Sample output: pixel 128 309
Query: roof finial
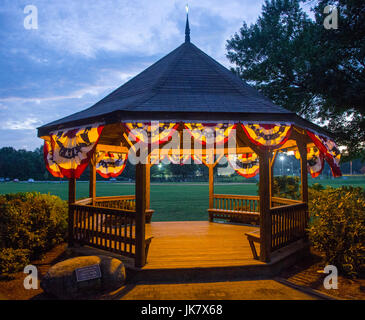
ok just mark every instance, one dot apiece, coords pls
pixel 187 28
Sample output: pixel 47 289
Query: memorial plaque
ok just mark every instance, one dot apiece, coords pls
pixel 88 273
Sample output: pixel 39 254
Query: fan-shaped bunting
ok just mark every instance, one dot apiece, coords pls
pixel 51 166
pixel 329 150
pixel 151 133
pixel 71 150
pixel 246 164
pixel 111 164
pixel 210 133
pixel 267 135
pixel 315 161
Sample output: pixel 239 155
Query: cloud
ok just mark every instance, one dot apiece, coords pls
pixel 106 82
pixel 27 113
pixel 78 94
pixel 20 139
pixel 85 49
pixel 87 27
pixel 90 27
pixel 27 124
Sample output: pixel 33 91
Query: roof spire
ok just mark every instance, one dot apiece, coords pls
pixel 187 28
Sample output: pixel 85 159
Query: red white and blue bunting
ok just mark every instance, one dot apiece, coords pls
pixel 152 132
pixel 329 150
pixel 110 164
pixel 268 136
pixel 68 152
pixel 210 133
pixel 203 158
pixel 180 159
pixel 51 166
pixel 246 164
pixel 315 161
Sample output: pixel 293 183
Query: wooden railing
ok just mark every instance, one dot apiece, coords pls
pixel 288 217
pixel 120 202
pixel 289 224
pixel 277 202
pixel 236 202
pixel 246 203
pixel 110 229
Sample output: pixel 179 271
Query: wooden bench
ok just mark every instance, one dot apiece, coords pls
pixel 253 236
pixel 149 213
pixel 234 215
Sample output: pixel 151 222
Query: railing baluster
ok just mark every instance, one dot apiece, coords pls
pixel 287 224
pixel 109 231
pixel 130 234
pixel 97 227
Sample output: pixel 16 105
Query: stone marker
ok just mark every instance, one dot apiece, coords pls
pixel 84 276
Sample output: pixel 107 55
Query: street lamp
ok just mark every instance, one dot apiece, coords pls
pixel 282 158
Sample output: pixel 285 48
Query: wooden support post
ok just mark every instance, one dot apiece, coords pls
pixel 92 182
pixel 148 186
pixel 71 200
pixel 71 190
pixel 265 217
pixel 303 171
pixel 302 147
pixel 140 258
pixel 272 163
pixel 211 187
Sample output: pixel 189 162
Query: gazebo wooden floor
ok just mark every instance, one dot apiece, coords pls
pixel 198 244
pixel 201 250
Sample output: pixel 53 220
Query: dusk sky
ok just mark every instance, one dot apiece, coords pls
pixel 83 50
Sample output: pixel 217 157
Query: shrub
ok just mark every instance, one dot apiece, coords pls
pixel 31 221
pixel 337 227
pixel 13 260
pixel 286 187
pixel 316 186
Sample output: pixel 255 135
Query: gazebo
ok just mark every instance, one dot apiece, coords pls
pixel 146 120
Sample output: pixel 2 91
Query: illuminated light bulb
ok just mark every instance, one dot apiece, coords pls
pixel 187 8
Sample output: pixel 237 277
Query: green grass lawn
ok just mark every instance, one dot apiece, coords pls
pixel 171 201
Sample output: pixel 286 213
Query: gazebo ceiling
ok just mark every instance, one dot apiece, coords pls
pixel 185 85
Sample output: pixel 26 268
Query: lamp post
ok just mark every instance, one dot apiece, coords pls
pixel 282 158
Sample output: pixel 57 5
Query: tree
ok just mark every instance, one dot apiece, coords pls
pixel 341 76
pixel 306 68
pixel 22 164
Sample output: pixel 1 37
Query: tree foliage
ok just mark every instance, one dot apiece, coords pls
pixel 306 68
pixel 22 164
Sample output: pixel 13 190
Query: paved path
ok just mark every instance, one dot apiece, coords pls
pixel 230 290
pixel 3 297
